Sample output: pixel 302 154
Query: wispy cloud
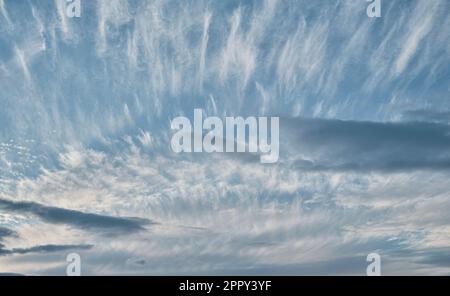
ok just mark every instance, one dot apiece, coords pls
pixel 420 25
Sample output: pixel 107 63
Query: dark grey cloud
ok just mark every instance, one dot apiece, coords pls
pixel 427 115
pixel 10 274
pixel 43 249
pixel 54 215
pixel 320 144
pixel 6 232
pixel 439 258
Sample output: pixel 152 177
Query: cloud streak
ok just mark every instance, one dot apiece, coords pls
pixel 43 249
pixel 78 219
pixel 6 232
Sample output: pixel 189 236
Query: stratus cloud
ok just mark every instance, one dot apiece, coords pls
pixel 364 146
pixel 76 218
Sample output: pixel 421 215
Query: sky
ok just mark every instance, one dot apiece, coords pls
pixel 86 167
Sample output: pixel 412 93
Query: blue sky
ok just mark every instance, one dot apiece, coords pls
pixel 85 159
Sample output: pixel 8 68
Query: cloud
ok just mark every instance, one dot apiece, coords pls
pixel 4 12
pixel 6 232
pixel 43 249
pixel 87 130
pixel 436 257
pixel 78 219
pixel 318 144
pixel 241 217
pixel 300 58
pixel 427 115
pixel 10 274
pixel 420 25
